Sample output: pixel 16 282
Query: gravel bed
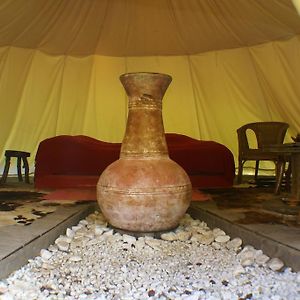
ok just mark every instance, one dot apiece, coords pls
pixel 92 261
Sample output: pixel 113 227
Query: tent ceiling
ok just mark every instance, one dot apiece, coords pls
pixel 144 27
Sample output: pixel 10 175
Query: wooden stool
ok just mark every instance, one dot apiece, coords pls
pixel 21 156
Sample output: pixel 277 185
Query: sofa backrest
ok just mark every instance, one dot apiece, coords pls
pixel 74 155
pixel 83 155
pixel 199 156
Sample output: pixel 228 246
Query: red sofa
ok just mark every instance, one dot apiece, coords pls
pixel 77 161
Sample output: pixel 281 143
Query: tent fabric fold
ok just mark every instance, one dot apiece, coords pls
pixel 144 27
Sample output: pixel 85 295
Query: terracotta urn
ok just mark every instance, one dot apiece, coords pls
pixel 144 190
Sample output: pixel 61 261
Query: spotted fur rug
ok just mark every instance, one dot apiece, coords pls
pixel 257 204
pixel 22 207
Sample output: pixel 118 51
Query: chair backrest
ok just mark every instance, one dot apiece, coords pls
pixel 267 133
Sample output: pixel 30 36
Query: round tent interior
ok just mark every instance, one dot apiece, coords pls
pixel 232 62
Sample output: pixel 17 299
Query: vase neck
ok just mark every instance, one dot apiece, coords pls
pixel 144 136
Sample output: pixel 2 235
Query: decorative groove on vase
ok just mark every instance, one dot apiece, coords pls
pixel 144 155
pixel 144 107
pixel 143 191
pixel 141 103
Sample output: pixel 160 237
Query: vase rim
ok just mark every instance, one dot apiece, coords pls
pixel 145 73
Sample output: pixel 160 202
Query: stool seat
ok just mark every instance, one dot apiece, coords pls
pixel 16 153
pixel 21 156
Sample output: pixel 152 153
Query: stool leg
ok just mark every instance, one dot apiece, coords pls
pixel 5 171
pixel 19 169
pixel 26 167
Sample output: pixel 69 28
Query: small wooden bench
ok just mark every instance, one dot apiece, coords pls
pixel 21 156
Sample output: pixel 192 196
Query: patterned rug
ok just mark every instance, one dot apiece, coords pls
pixel 257 204
pixel 22 207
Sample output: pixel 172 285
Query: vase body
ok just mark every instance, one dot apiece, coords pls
pixel 144 191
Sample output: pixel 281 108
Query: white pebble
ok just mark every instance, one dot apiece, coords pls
pixel 98 230
pixel 45 254
pixel 170 236
pixel 84 222
pixel 53 248
pixel 261 259
pixel 248 248
pixel 63 246
pixel 77 227
pixel 129 239
pixel 108 232
pixel 153 243
pixel 206 239
pixel 63 238
pixel 218 232
pixel 222 238
pixel 247 262
pixel 247 257
pixel 75 258
pixel 70 233
pixel 235 243
pixel 275 264
pixel 183 235
pixel 238 270
pixel 216 245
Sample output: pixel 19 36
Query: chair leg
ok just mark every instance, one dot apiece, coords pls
pixel 256 170
pixel 240 172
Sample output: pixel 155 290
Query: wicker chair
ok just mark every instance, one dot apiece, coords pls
pixel 266 133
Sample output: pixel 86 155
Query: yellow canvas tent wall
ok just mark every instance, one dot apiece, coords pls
pixel 232 62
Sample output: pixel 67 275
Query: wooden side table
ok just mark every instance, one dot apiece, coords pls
pixel 21 156
pixel 292 150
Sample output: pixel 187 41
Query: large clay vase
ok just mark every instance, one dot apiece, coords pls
pixel 144 191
